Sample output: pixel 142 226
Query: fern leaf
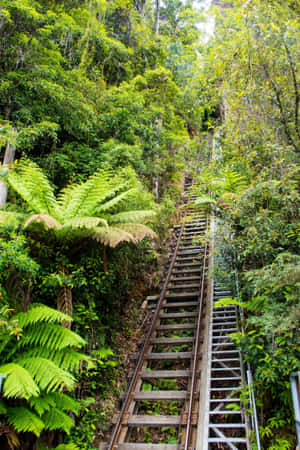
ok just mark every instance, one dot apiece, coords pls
pixel 114 201
pixel 44 219
pixel 85 222
pixel 25 420
pixel 112 237
pixel 132 217
pixel 204 200
pixel 51 336
pixel 32 185
pixel 86 195
pixel 47 374
pixel 40 313
pixel 19 383
pixel 54 419
pixel 58 400
pixel 138 231
pixel 70 360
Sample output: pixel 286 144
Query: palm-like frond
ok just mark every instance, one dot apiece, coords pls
pixel 85 222
pixel 59 400
pixel 47 374
pixel 112 236
pixel 137 230
pixel 19 382
pixel 139 216
pixel 33 186
pixel 40 313
pixel 51 336
pixel 55 419
pixel 114 202
pixel 25 420
pixel 86 195
pixel 70 360
pixel 44 219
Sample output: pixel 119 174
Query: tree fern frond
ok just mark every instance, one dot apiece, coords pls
pixel 204 200
pixel 42 403
pixel 138 231
pixel 85 222
pixel 65 403
pixel 112 203
pixel 51 336
pixel 48 221
pixel 33 186
pixel 113 236
pixel 139 216
pixel 47 374
pixel 54 419
pixel 40 313
pixel 19 383
pixel 86 195
pixel 25 420
pixel 70 360
pixel 54 399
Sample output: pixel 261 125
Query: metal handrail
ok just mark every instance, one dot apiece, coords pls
pixel 295 387
pixel 253 413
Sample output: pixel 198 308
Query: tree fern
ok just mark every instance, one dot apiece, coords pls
pixel 59 400
pixel 47 374
pixel 137 230
pixel 55 419
pixel 139 216
pixel 51 336
pixel 112 236
pixel 25 420
pixel 40 313
pixel 32 185
pixel 19 383
pixel 114 202
pixel 44 219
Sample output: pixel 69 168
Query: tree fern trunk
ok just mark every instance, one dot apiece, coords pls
pixel 65 304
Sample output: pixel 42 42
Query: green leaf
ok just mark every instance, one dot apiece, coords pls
pixel 25 420
pixel 19 383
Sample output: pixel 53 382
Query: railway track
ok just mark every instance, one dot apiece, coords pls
pixel 162 401
pixel 185 391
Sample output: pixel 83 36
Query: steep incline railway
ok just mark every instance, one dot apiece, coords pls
pixel 167 403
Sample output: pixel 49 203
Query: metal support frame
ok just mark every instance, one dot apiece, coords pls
pixel 295 387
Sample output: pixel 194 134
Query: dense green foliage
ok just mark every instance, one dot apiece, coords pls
pixel 105 102
pixel 253 184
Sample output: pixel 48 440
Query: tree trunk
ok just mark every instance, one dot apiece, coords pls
pixel 9 156
pixel 157 17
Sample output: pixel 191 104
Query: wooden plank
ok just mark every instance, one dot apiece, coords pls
pixel 154 421
pixel 184 286
pixel 184 295
pixel 166 356
pixel 177 326
pixel 146 374
pixel 175 341
pixel 160 395
pixel 178 315
pixel 180 304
